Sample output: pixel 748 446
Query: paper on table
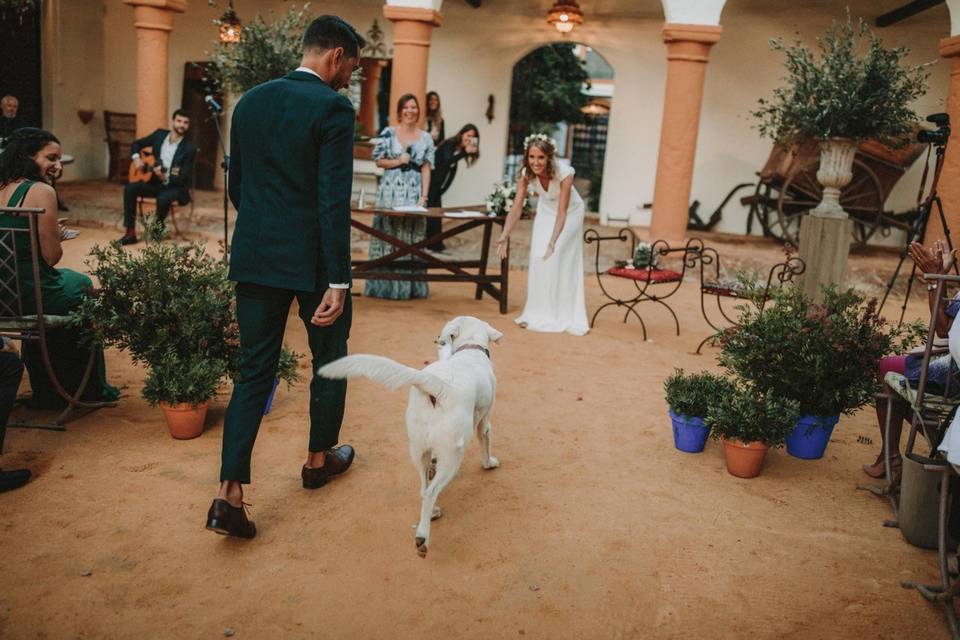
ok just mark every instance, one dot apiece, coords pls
pixel 410 208
pixel 464 214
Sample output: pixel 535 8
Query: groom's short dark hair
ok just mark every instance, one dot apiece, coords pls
pixel 330 32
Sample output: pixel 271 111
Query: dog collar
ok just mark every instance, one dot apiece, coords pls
pixel 473 346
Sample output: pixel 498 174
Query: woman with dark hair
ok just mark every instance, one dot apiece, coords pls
pixel 465 144
pixel 406 154
pixel 434 118
pixel 28 163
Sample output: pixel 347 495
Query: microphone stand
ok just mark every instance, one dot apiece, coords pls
pixel 225 165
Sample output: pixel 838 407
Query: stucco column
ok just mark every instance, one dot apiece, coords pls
pixel 412 29
pixel 153 20
pixel 949 187
pixel 367 116
pixel 688 50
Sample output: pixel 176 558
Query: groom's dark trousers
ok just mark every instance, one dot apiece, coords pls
pixel 262 315
pixel 291 173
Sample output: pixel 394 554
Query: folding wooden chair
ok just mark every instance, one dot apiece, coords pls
pixel 17 325
pixel 931 418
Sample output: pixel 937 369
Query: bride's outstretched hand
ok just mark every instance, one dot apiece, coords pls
pixel 548 252
pixel 502 249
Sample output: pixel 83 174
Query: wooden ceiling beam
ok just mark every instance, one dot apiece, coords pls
pixel 902 13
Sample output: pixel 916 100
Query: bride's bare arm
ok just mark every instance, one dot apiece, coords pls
pixel 515 212
pixel 565 186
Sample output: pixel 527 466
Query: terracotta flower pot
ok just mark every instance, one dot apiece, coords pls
pixel 184 420
pixel 744 460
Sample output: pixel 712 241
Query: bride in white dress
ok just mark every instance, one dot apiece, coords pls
pixel 555 300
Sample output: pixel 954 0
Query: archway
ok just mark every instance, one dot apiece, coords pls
pixel 566 91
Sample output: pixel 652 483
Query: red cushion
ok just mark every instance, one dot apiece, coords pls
pixel 654 276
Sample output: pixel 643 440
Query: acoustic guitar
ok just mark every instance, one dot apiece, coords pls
pixel 146 173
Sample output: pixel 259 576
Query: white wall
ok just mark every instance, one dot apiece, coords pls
pixel 73 80
pixel 472 55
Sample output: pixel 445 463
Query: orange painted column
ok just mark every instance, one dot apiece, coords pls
pixel 412 29
pixel 688 50
pixel 367 115
pixel 153 20
pixel 949 186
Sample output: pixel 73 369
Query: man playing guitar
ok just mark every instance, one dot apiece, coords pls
pixel 170 178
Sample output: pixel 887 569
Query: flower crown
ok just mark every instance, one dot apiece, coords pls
pixel 539 137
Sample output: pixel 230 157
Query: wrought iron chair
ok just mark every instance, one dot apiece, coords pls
pixel 711 285
pixel 17 325
pixel 667 281
pixel 145 215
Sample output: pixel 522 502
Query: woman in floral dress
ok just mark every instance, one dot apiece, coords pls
pixel 406 154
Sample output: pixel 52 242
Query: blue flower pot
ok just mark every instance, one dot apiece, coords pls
pixel 810 437
pixel 273 392
pixel 689 433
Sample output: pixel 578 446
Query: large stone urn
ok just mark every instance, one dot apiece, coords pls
pixel 835 172
pixel 825 231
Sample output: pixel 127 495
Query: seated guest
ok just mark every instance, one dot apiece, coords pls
pixel 9 122
pixel 937 259
pixel 172 172
pixel 32 156
pixel 11 370
pixel 464 144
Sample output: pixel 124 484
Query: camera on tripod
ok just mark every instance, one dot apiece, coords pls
pixel 936 136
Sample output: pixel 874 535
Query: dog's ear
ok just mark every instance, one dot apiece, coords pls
pixel 492 333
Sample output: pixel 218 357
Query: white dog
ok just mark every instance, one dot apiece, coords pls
pixel 449 400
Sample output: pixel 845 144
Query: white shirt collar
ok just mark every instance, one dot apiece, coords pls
pixel 309 70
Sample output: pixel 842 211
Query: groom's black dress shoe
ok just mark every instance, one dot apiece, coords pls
pixel 336 461
pixel 228 520
pixel 14 479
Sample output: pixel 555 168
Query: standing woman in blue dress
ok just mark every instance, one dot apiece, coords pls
pixel 406 154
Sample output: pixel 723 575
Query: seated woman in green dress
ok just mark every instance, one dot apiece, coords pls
pixel 28 162
pixel 405 153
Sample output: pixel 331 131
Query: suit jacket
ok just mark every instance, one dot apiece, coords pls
pixel 291 177
pixel 181 171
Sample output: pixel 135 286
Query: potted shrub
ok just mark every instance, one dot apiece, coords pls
pixel 749 422
pixel 172 308
pixel 823 356
pixel 856 90
pixel 689 397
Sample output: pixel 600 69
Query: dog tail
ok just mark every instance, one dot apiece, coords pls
pixel 390 374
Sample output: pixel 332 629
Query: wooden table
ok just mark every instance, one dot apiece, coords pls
pixel 426 266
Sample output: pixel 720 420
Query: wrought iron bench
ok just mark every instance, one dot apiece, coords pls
pixel 711 285
pixel 16 325
pixel 651 283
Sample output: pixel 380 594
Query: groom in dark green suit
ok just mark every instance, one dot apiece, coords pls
pixel 291 173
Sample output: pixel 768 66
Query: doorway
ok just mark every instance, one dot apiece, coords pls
pixel 20 42
pixel 566 91
pixel 203 130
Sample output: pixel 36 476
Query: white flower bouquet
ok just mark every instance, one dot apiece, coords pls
pixel 501 199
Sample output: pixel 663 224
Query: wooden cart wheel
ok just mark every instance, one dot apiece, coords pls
pixel 862 199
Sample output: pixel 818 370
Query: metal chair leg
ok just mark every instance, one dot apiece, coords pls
pixel 945 592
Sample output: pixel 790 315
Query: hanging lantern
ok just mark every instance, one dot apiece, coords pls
pixel 565 15
pixel 230 26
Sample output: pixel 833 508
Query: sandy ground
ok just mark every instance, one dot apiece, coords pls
pixel 593 527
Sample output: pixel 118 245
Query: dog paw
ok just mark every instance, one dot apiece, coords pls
pixel 492 463
pixel 421 547
pixel 437 513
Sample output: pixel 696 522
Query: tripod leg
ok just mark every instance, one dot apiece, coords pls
pixel 906 297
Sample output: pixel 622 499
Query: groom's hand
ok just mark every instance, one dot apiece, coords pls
pixel 330 307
